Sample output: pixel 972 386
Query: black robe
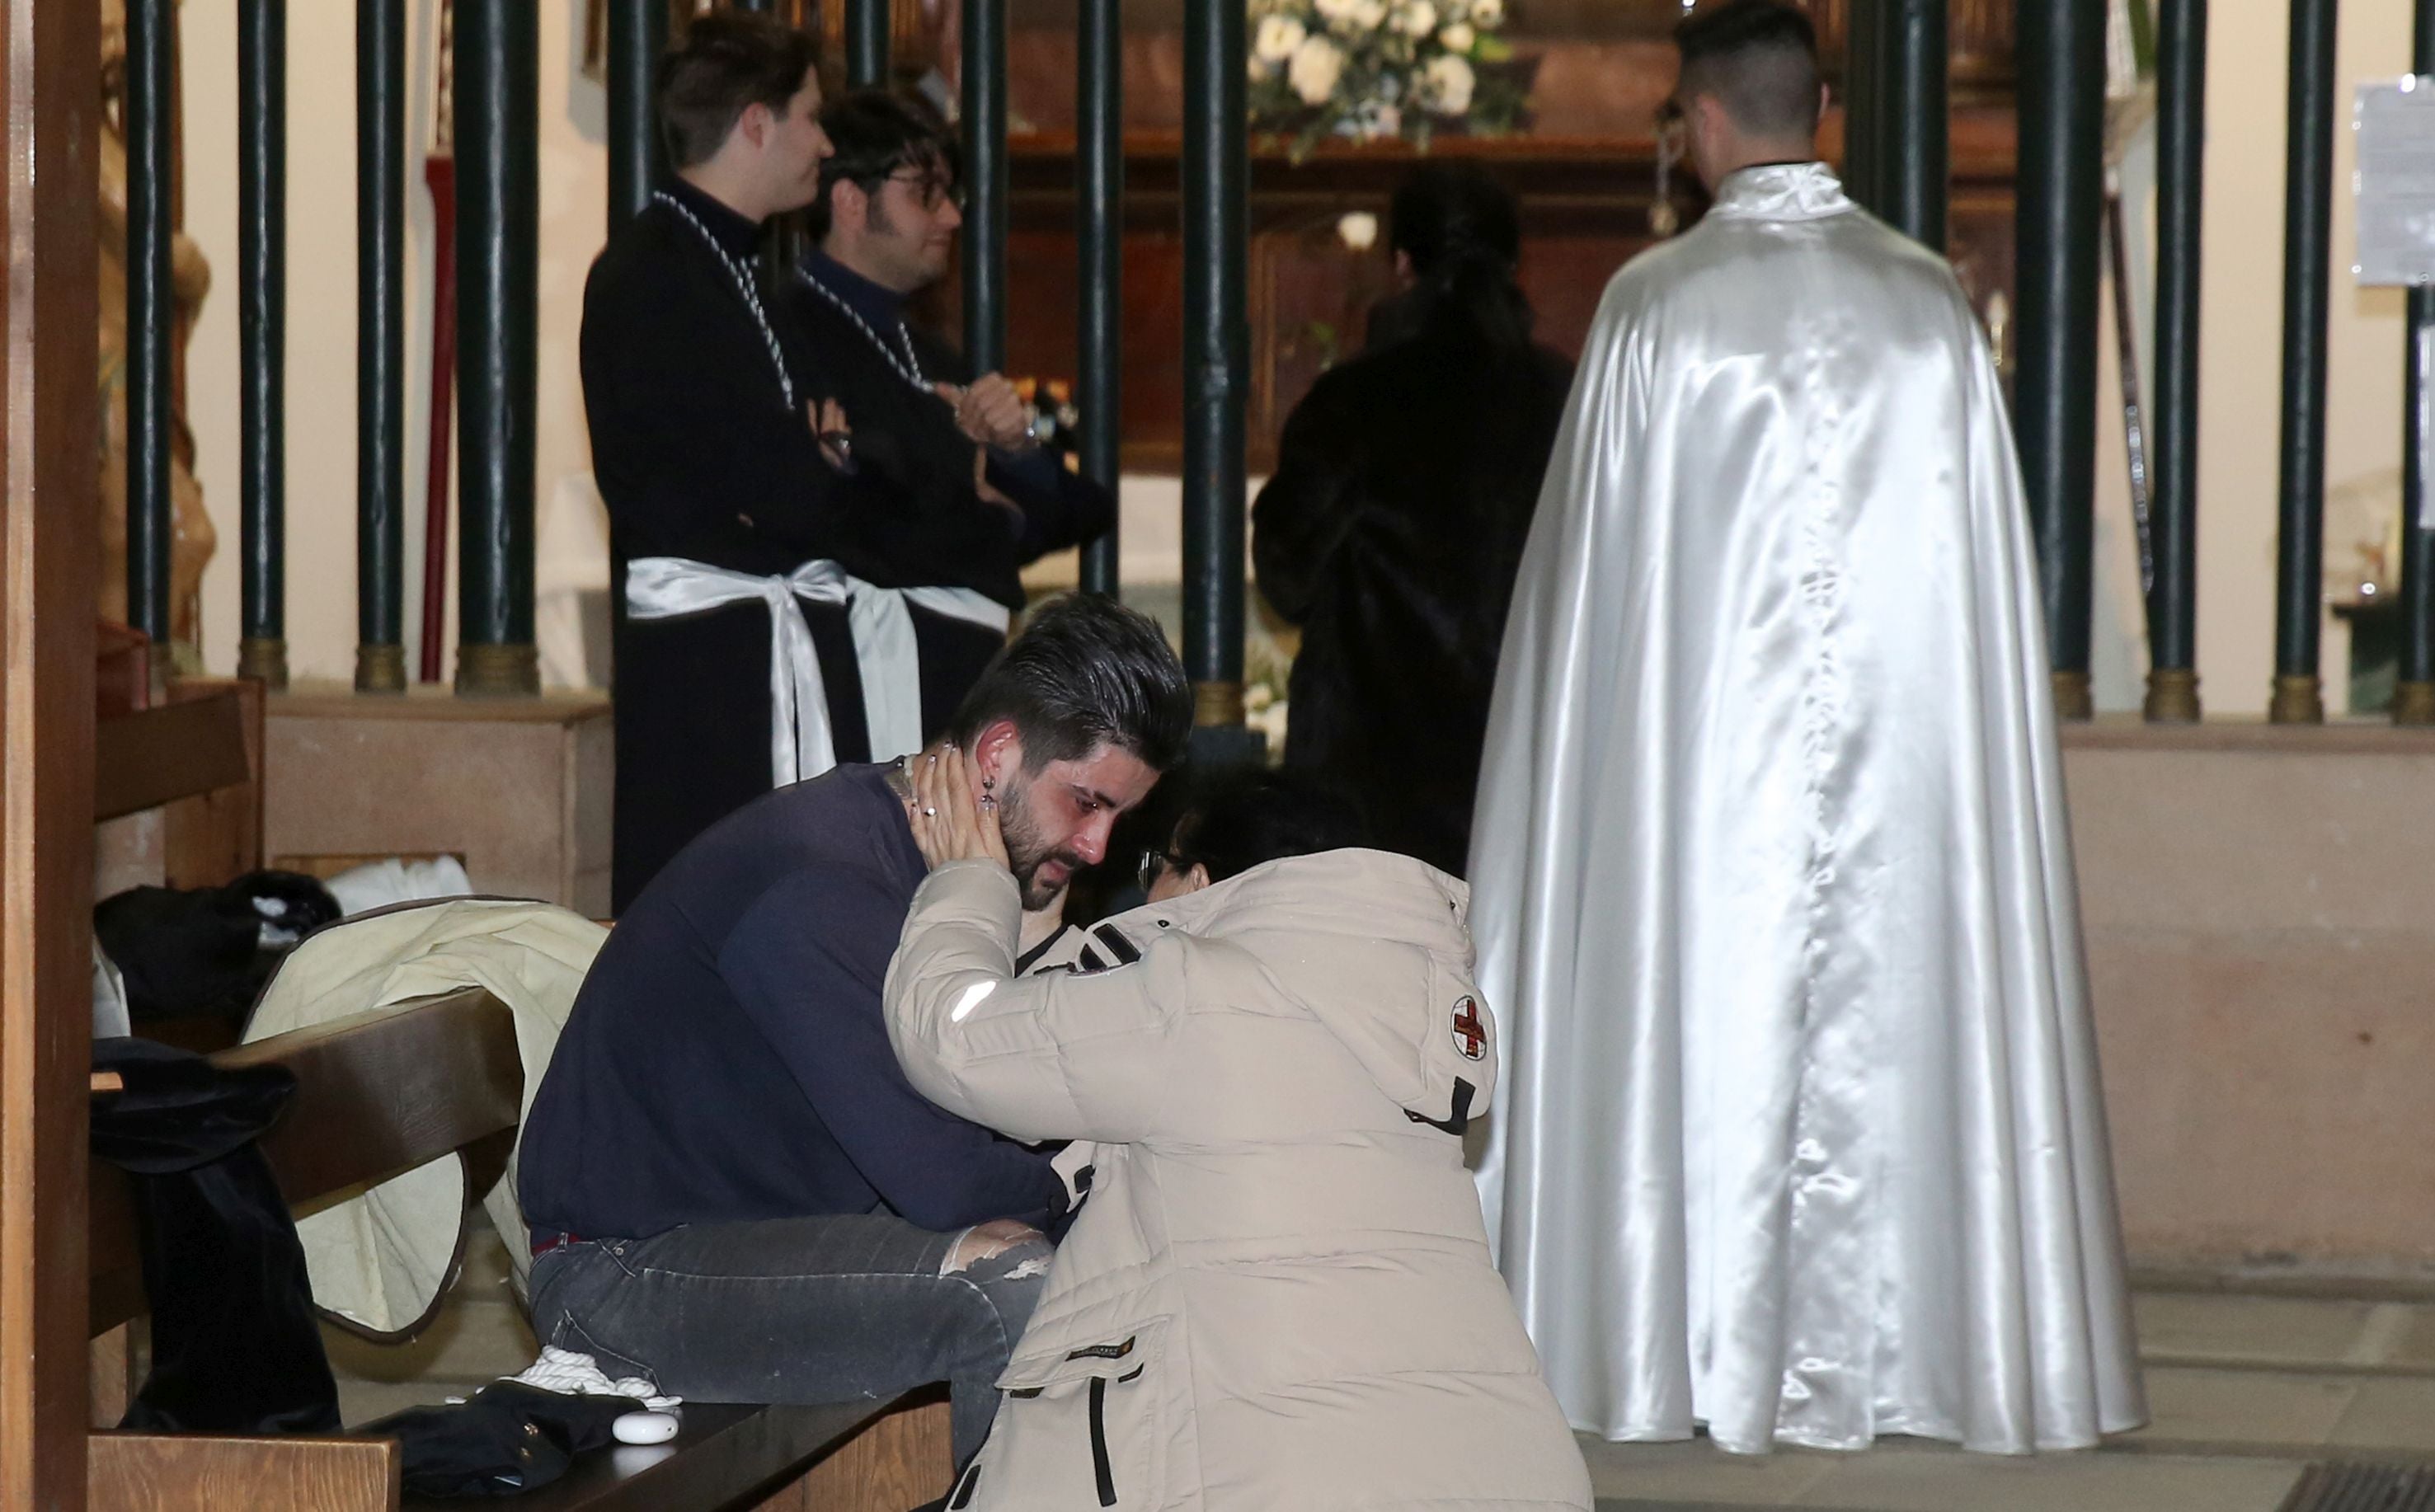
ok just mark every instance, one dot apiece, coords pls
pixel 1390 532
pixel 908 435
pixel 699 456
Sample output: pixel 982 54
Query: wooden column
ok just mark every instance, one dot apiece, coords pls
pixel 2181 172
pixel 2307 297
pixel 2413 697
pixel 497 52
pixel 866 42
pixel 638 33
pixel 2062 200
pixel 380 345
pixel 1216 369
pixel 262 336
pixel 1099 235
pixel 49 553
pixel 152 314
pixel 985 183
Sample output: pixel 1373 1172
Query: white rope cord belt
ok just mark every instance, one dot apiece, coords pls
pixel 659 587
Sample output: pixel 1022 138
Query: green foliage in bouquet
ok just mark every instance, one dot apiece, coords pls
pixel 1365 70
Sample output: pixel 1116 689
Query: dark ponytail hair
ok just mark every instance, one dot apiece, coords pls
pixel 1462 231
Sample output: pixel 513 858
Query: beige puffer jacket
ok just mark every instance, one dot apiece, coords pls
pixel 1277 1297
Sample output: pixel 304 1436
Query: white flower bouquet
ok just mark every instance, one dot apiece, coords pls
pixel 1370 69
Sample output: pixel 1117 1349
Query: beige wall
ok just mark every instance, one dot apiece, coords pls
pixel 2238 390
pixel 2242 374
pixel 322 294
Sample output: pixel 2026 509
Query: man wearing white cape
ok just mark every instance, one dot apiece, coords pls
pixel 1773 884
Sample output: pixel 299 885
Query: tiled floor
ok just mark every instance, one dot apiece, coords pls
pixel 2245 1391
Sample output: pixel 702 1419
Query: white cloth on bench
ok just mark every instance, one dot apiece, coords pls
pixel 380 1259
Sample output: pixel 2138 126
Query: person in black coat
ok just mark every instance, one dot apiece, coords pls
pixel 1394 524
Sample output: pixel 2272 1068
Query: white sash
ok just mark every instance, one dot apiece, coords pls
pixel 660 588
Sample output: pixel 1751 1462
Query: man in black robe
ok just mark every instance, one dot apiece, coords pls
pixel 745 563
pixel 1394 524
pixel 986 497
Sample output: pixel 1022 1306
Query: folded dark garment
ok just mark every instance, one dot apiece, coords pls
pixel 207 949
pixel 509 1438
pixel 237 1346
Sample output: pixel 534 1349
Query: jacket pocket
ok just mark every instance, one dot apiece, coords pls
pixel 1084 1428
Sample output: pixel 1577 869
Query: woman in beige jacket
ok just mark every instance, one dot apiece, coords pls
pixel 1277 1297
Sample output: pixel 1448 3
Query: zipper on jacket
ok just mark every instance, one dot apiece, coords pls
pixel 1100 1465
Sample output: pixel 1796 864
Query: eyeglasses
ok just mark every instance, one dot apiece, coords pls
pixel 1152 862
pixel 930 188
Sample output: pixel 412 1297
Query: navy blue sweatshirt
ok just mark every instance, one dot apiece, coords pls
pixel 728 1059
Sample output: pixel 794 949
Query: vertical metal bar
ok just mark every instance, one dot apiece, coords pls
pixel 1913 181
pixel 2061 54
pixel 866 42
pixel 1099 229
pixel 2307 215
pixel 497 77
pixel 638 30
pixel 985 181
pixel 2413 701
pixel 2180 161
pixel 150 316
pixel 380 345
pixel 262 337
pixel 1214 220
pixel 1865 102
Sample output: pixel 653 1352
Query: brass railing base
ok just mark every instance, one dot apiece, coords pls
pixel 2414 703
pixel 264 658
pixel 2299 699
pixel 2173 696
pixel 380 669
pixel 497 671
pixel 1216 703
pixel 2072 698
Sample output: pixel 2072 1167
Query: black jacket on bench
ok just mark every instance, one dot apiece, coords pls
pixel 727 1059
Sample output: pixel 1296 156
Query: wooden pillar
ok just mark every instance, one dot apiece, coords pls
pixel 2307 296
pixel 1100 232
pixel 49 558
pixel 866 42
pixel 2413 699
pixel 638 33
pixel 2181 170
pixel 2061 202
pixel 380 345
pixel 152 314
pixel 1216 374
pixel 262 336
pixel 497 80
pixel 985 183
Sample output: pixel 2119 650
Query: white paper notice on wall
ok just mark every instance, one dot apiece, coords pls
pixel 2395 182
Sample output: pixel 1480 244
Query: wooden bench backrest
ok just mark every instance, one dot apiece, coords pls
pixel 377 1094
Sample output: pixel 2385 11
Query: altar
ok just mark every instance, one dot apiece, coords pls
pixel 1583 166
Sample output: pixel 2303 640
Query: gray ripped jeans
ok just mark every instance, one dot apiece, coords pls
pixel 794 1310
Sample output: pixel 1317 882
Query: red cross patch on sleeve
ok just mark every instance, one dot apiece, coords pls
pixel 1470 1029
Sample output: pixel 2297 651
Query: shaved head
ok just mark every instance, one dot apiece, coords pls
pixel 1758 59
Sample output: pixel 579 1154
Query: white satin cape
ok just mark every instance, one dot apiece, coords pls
pixel 1802 1136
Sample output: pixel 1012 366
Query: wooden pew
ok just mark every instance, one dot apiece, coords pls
pixel 378 1095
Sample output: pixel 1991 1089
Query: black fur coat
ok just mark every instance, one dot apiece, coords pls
pixel 1390 533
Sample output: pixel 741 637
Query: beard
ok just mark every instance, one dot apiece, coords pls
pixel 1026 853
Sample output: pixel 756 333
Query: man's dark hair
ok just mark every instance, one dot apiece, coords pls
pixel 1759 58
pixel 730 61
pixel 875 134
pixel 1237 818
pixel 1462 231
pixel 1086 672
